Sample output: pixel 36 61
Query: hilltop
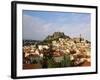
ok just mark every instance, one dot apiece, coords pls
pixel 56 35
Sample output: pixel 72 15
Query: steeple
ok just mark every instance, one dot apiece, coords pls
pixel 80 37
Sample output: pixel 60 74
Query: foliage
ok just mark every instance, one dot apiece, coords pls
pixel 66 62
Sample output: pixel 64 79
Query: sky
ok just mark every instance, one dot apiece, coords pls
pixel 37 25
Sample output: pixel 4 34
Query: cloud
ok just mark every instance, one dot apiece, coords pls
pixel 32 27
pixel 36 28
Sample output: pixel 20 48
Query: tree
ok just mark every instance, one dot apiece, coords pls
pixel 66 62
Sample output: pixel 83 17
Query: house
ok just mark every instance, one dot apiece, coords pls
pixel 41 47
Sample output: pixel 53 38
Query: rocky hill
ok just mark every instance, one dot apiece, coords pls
pixel 56 35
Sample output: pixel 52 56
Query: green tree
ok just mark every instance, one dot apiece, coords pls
pixel 66 62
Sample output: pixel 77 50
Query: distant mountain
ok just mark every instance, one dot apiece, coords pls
pixel 30 42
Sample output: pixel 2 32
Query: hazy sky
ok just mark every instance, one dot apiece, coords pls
pixel 39 24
